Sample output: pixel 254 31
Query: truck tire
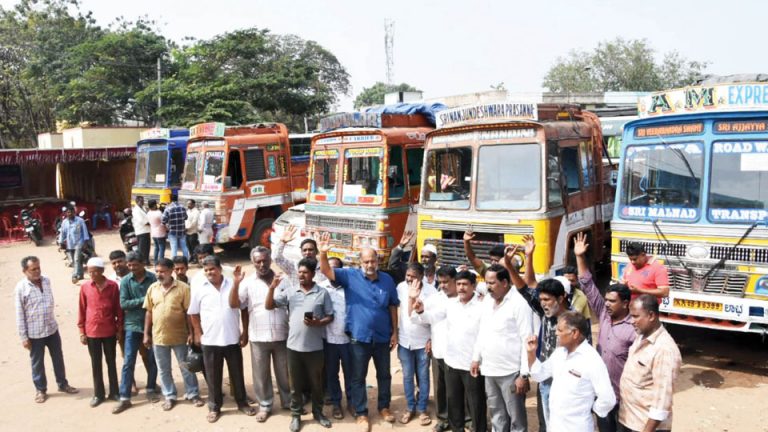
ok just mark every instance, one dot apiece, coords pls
pixel 231 246
pixel 260 233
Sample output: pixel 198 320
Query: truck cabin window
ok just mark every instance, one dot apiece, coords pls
pixel 158 162
pixel 362 173
pixel 739 182
pixel 505 184
pixel 214 167
pixel 449 178
pixel 395 175
pixel 191 167
pixel 662 175
pixel 325 169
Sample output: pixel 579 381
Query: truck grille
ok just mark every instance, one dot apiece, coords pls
pixel 451 252
pixel 318 221
pixel 719 282
pixel 657 248
pixel 740 254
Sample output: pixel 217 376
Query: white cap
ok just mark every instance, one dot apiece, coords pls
pixel 95 262
pixel 566 283
pixel 429 248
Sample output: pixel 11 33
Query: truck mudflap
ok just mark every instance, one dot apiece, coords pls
pixel 717 312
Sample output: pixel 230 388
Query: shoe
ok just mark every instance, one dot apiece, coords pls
pixel 387 416
pixel 168 404
pixel 295 425
pixel 122 406
pixel 406 417
pixel 114 397
pixel 337 413
pixel 323 420
pixel 441 426
pixel 153 397
pixel 197 401
pixel 213 416
pixel 96 401
pixel 362 424
pixel 75 280
pixel 68 389
pixel 41 396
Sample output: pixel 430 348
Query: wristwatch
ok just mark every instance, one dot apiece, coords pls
pixel 525 376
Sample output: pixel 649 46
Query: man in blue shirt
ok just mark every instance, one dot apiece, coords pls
pixel 75 234
pixel 372 303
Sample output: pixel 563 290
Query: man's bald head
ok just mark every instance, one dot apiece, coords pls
pixel 369 262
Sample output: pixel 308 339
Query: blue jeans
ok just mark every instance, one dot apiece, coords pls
pixel 75 257
pixel 159 248
pixel 176 241
pixel 361 356
pixel 163 358
pixel 544 388
pixel 99 216
pixel 415 364
pixel 37 356
pixel 338 356
pixel 132 341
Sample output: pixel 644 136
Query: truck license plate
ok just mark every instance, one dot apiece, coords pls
pixel 698 305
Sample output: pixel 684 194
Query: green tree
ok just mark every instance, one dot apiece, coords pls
pixel 251 75
pixel 374 95
pixel 621 65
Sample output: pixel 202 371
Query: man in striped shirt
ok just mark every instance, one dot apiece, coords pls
pixel 38 329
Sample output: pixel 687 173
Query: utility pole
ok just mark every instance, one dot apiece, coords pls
pixel 389 47
pixel 159 93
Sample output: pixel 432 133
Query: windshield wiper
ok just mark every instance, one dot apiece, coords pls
pixel 728 254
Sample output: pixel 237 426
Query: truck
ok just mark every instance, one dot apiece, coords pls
pixel 510 169
pixel 365 179
pixel 693 190
pixel 160 155
pixel 247 176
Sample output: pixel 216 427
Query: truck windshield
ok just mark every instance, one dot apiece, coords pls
pixel 190 169
pixel 214 167
pixel 503 183
pixel 449 178
pixel 141 167
pixel 738 187
pixel 661 179
pixel 158 167
pixel 325 169
pixel 363 175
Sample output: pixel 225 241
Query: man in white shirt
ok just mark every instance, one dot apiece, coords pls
pixel 141 228
pixel 217 330
pixel 337 352
pixel 267 330
pixel 580 381
pixel 462 318
pixel 500 352
pixel 190 227
pixel 412 342
pixel 205 224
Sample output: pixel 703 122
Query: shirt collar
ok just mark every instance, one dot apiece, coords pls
pixel 655 335
pixel 223 282
pixel 366 277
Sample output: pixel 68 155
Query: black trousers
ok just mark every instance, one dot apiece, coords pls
pixel 610 422
pixel 213 360
pixel 622 428
pixel 438 377
pixel 305 372
pixel 460 384
pixel 192 243
pixel 107 346
pixel 144 242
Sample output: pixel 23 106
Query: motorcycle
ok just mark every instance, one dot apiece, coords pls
pixel 127 233
pixel 32 225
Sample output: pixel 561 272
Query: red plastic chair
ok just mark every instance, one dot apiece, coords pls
pixel 11 230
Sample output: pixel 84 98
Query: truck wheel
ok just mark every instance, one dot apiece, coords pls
pixel 260 234
pixel 231 246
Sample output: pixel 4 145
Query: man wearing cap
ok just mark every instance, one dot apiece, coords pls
pixel 37 327
pixel 133 290
pixel 100 320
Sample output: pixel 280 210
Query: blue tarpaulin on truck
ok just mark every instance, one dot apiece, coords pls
pixel 428 110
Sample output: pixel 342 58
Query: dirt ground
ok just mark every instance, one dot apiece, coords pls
pixel 723 375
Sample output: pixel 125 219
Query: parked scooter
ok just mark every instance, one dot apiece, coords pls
pixel 127 233
pixel 32 225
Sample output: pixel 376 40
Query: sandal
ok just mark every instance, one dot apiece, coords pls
pixel 41 396
pixel 262 416
pixel 406 417
pixel 168 404
pixel 213 416
pixel 425 419
pixel 247 410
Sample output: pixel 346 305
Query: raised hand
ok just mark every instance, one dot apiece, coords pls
pixel 324 242
pixel 532 343
pixel 580 244
pixel 530 244
pixel 415 290
pixel 238 275
pixel 276 279
pixel 405 240
pixel 469 235
pixel 509 253
pixel 289 234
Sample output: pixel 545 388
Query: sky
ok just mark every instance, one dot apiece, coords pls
pixel 454 47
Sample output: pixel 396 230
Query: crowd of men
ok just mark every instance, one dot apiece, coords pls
pixel 485 342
